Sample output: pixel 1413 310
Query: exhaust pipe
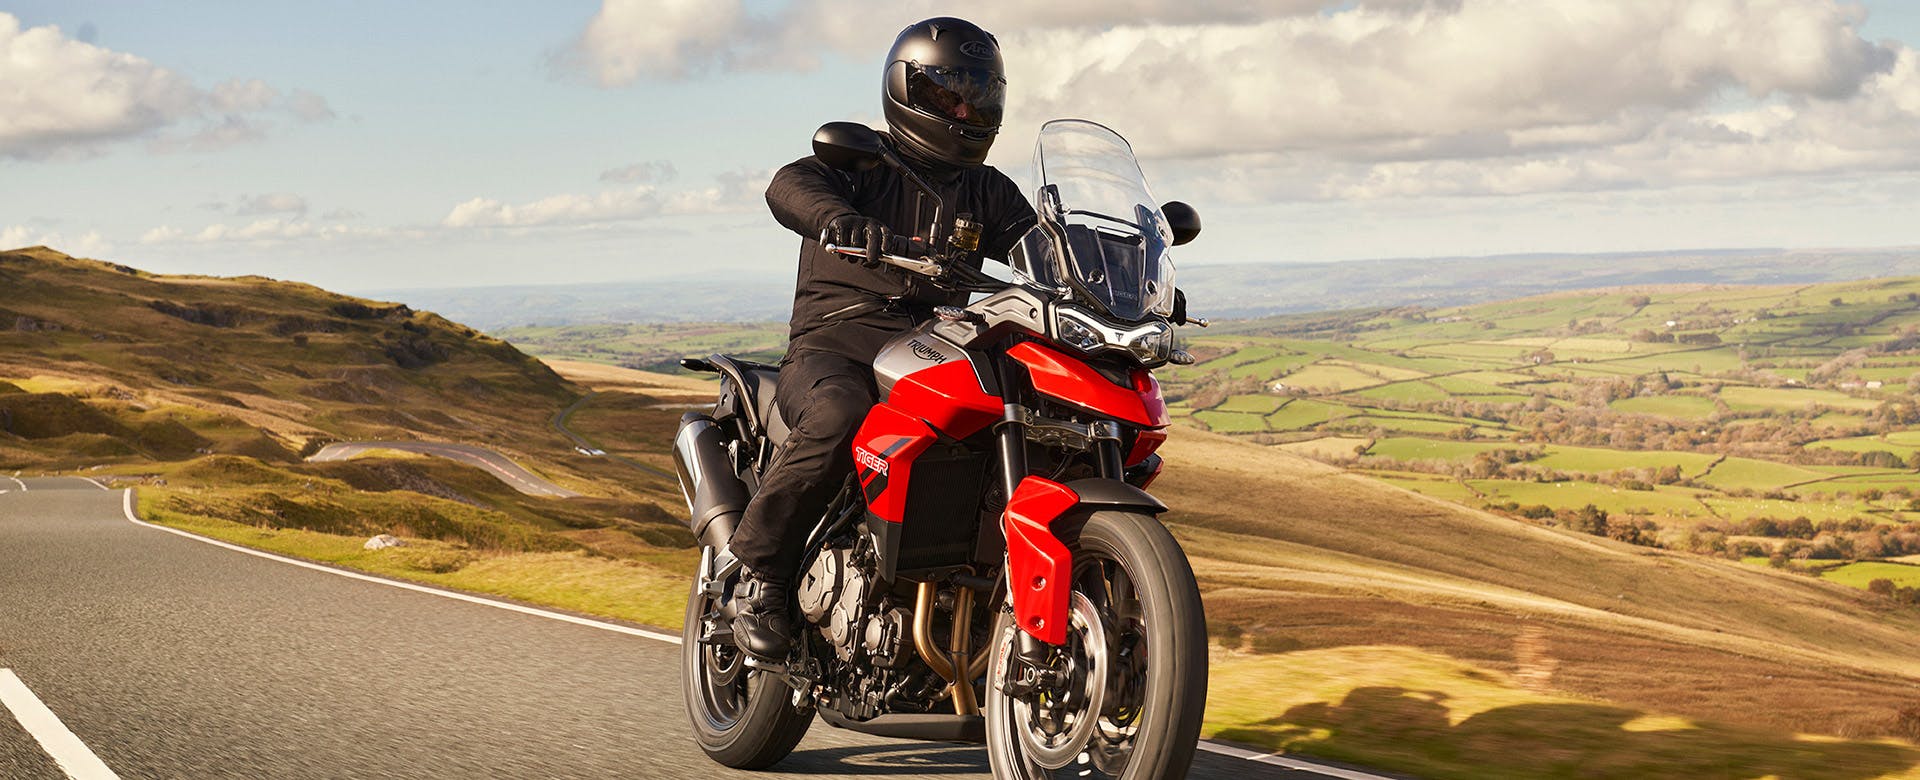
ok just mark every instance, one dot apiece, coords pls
pixel 715 494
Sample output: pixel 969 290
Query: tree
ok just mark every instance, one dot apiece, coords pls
pixel 1590 519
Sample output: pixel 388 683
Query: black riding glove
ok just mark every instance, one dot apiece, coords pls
pixel 854 230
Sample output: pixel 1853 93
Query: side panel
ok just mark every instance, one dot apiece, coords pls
pixel 1066 378
pixel 1039 566
pixel 883 453
pixel 949 397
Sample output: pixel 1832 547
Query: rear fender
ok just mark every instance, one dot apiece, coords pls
pixel 1039 565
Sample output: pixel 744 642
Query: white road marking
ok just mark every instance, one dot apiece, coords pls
pixel 67 750
pixel 127 506
pixel 96 483
pixel 16 480
pixel 1287 762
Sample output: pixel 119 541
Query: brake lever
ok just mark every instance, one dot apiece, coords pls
pixel 928 268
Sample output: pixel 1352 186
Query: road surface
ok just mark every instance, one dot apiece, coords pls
pixel 515 475
pixel 137 651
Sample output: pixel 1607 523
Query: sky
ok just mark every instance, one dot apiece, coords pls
pixel 369 146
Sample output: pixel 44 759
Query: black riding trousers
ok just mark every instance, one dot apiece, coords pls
pixel 823 397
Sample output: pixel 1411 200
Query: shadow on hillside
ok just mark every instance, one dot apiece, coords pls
pixel 1584 741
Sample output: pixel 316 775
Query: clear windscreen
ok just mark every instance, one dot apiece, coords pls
pixel 1093 195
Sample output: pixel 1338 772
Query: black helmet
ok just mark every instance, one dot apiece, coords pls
pixel 945 90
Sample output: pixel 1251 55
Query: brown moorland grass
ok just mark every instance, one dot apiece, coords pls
pixel 1301 555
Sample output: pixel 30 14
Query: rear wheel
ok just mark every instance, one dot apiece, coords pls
pixel 741 718
pixel 1123 698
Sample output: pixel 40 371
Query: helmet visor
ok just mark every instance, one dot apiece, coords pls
pixel 971 96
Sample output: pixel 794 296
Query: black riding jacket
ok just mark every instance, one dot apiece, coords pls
pixel 847 308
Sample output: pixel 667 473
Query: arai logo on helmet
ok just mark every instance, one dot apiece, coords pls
pixel 926 352
pixel 873 462
pixel 979 50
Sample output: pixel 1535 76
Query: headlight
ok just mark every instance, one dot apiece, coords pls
pixel 1074 332
pixel 1150 343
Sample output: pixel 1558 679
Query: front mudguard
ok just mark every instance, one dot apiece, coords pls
pixel 1039 565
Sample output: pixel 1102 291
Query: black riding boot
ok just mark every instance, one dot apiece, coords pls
pixel 764 628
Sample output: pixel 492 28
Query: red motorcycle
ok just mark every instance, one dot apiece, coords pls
pixel 995 570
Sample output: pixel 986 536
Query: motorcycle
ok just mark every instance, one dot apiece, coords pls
pixel 994 571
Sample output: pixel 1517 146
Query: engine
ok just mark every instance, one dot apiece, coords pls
pixel 833 596
pixel 836 594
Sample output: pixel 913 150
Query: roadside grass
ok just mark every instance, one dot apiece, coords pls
pixel 650 589
pixel 1406 710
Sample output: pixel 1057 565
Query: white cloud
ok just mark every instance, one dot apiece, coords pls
pixel 650 172
pixel 83 244
pixel 267 232
pixel 1313 99
pixel 65 97
pixel 732 192
pixel 270 203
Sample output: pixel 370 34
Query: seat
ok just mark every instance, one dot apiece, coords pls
pixel 759 384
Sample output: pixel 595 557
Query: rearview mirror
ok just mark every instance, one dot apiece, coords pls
pixel 848 146
pixel 1181 219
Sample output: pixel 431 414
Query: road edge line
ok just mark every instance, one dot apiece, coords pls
pixel 1287 762
pixel 60 743
pixel 126 506
pixel 96 483
pixel 1209 746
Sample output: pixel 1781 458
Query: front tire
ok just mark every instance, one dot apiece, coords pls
pixel 1136 652
pixel 742 719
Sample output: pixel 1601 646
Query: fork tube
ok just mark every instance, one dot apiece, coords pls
pixel 1111 465
pixel 1013 450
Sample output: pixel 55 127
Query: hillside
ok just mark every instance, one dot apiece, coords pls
pixel 1353 619
pixel 212 390
pixel 1359 621
pixel 1759 422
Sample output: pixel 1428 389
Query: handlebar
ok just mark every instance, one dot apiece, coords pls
pixel 928 268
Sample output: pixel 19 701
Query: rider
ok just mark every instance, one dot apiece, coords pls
pixel 944 93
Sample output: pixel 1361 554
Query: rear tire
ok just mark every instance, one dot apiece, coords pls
pixel 742 718
pixel 1155 654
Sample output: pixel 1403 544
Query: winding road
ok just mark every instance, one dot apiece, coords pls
pixel 515 475
pixel 131 650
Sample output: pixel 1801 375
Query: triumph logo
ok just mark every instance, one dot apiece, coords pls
pixel 925 352
pixel 875 463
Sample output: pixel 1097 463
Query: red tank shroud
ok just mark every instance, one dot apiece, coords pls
pixel 946 398
pixel 1065 378
pixel 1039 565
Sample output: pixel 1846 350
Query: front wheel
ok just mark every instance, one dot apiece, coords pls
pixel 741 718
pixel 1123 698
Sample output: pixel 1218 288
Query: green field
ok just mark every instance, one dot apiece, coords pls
pixel 1857 575
pixel 1684 406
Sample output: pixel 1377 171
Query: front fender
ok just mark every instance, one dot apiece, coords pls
pixel 1039 565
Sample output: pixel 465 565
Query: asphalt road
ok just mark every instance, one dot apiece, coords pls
pixel 165 656
pixel 515 475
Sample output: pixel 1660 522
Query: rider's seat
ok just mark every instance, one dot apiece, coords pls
pixel 756 383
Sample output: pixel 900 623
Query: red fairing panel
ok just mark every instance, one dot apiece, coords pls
pixel 1068 379
pixel 1039 566
pixel 1144 444
pixel 883 453
pixel 948 396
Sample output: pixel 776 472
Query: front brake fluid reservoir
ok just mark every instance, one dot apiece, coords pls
pixel 966 232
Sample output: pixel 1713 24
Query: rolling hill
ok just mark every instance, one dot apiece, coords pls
pixel 1352 619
